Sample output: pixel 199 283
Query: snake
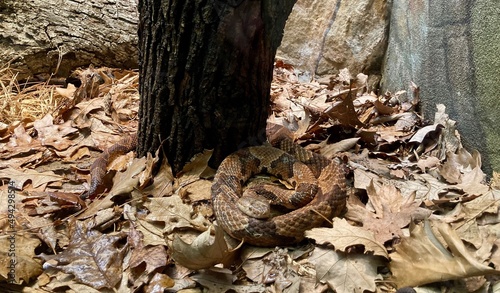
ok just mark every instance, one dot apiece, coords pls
pixel 319 193
pixel 98 168
pixel 320 185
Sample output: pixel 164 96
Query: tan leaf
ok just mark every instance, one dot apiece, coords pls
pixel 163 181
pixel 125 182
pixel 66 92
pixel 427 163
pixel 175 214
pixel 495 180
pixel 223 282
pixel 472 182
pixel 392 212
pixel 54 135
pixel 204 252
pixel 153 256
pixel 197 166
pixel 152 232
pixel 159 283
pixel 346 273
pixel 198 190
pixel 37 179
pixel 343 235
pixel 19 247
pixel 422 259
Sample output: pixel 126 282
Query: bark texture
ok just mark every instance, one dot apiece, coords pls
pixel 57 36
pixel 206 71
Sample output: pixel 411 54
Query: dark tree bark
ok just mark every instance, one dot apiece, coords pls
pixel 206 70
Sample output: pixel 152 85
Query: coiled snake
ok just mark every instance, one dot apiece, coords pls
pixel 309 172
pixel 319 184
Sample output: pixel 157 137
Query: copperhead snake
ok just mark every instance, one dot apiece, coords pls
pixel 315 178
pixel 319 186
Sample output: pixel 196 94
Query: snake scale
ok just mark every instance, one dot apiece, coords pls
pixel 99 167
pixel 284 160
pixel 319 184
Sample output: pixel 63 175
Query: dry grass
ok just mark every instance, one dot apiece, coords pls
pixel 25 101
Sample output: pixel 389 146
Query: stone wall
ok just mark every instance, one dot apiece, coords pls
pixel 451 50
pixel 324 36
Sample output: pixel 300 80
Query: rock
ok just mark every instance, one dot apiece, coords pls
pixel 450 50
pixel 323 36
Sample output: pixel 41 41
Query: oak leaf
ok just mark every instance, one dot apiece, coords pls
pixel 392 212
pixel 203 252
pixel 175 214
pixel 344 272
pixel 19 247
pixel 422 259
pixel 342 235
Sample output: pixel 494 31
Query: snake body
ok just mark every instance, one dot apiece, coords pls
pixel 99 166
pixel 319 187
pixel 285 160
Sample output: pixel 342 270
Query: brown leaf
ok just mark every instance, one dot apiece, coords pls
pixel 344 272
pixel 345 113
pixel 52 135
pixel 427 163
pixel 159 283
pixel 20 247
pixel 383 109
pixel 203 252
pixel 153 256
pixel 92 257
pixel 342 235
pixel 223 282
pixel 392 212
pixel 163 181
pixel 37 179
pixel 175 214
pixel 126 182
pixel 422 259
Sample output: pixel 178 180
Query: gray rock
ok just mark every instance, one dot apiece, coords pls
pixel 451 50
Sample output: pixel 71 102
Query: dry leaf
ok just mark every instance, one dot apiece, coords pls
pixel 37 179
pixel 175 214
pixel 392 212
pixel 421 259
pixel 159 283
pixel 163 181
pixel 92 257
pixel 204 252
pixel 26 267
pixel 344 272
pixel 154 257
pixel 223 282
pixel 342 235
pixel 52 135
pixel 126 182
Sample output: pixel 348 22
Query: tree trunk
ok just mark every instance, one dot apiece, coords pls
pixel 57 36
pixel 206 70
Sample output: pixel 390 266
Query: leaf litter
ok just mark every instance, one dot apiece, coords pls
pixel 420 211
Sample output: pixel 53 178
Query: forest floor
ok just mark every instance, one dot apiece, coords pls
pixel 420 212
